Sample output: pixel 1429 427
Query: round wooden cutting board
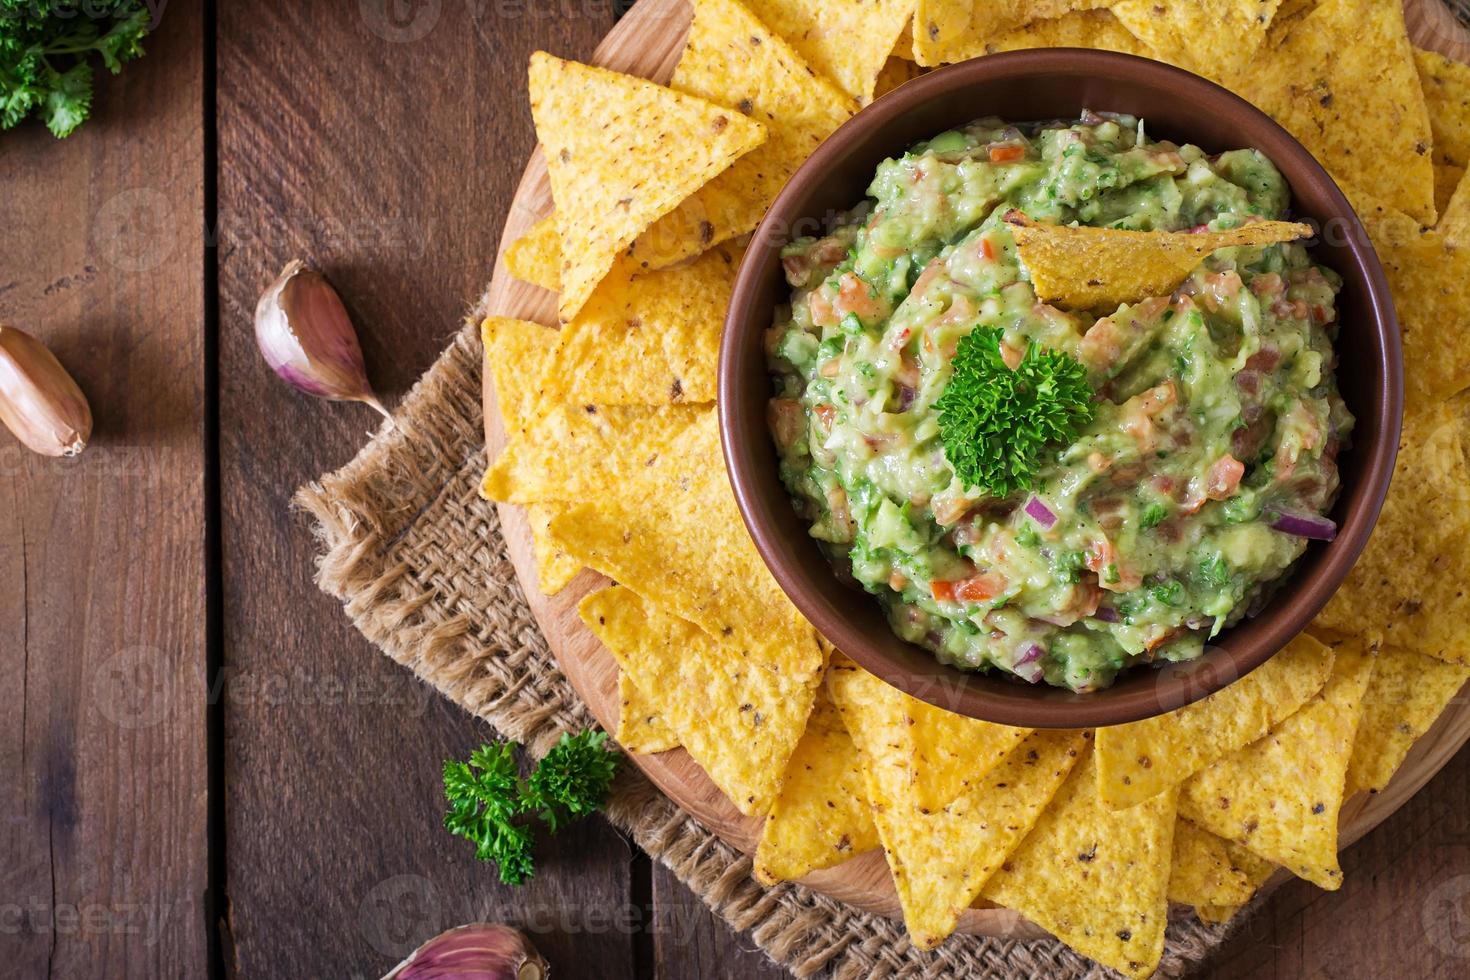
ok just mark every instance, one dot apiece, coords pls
pixel 647 42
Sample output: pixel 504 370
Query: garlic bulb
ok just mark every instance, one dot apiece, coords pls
pixel 480 951
pixel 39 401
pixel 307 338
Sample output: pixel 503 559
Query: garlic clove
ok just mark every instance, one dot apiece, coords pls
pixel 39 400
pixel 307 338
pixel 479 951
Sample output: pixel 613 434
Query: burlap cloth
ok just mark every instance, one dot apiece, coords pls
pixel 417 560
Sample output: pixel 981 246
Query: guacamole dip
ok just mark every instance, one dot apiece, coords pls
pixel 1207 421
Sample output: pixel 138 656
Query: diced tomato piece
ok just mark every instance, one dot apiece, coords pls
pixel 855 296
pixel 1006 154
pixel 1011 355
pixel 825 414
pixel 943 591
pixel 987 249
pixel 978 588
pixel 1224 477
pixel 823 315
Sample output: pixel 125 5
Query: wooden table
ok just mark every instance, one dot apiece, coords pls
pixel 204 770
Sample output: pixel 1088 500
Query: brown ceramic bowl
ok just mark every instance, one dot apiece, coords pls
pixel 1057 84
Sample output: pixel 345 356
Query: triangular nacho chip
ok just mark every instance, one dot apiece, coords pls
pixel 846 40
pixel 1447 179
pixel 1097 29
pixel 535 257
pixel 953 30
pixel 1143 758
pixel 739 712
pixel 1101 268
pixel 1409 584
pixel 941 858
pixel 621 153
pixel 672 533
pixel 1280 796
pixel 895 72
pixel 732 59
pixel 1209 870
pixel 822 816
pixel 1407 693
pixel 1343 82
pixel 1256 871
pixel 1095 878
pixel 1213 38
pixel 641 725
pixel 555 569
pixel 649 339
pixel 1446 87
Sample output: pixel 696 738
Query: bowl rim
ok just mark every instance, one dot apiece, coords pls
pixel 987 697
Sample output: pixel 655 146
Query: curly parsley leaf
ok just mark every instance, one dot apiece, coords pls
pixel 487 798
pixel 44 50
pixel 997 425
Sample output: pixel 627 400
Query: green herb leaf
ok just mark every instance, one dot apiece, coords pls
pixel 997 424
pixel 573 779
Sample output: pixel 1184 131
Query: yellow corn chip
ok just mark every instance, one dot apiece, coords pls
pixel 1280 796
pixel 1210 37
pixel 646 340
pixel 822 816
pixel 1407 693
pixel 846 40
pixel 1087 268
pixel 1097 29
pixel 953 30
pixel 895 72
pixel 904 46
pixel 941 858
pixel 673 534
pixel 641 725
pixel 555 569
pixel 1256 871
pixel 1410 583
pixel 1095 878
pixel 1446 87
pixel 621 153
pixel 1204 870
pixel 737 711
pixel 1447 178
pixel 1143 758
pixel 1288 12
pixel 574 453
pixel 1343 83
pixel 732 59
pixel 535 257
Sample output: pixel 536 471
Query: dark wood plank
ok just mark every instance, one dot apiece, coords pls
pixel 691 941
pixel 386 153
pixel 1403 909
pixel 103 856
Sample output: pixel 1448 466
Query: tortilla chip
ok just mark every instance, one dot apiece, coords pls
pixel 1407 693
pixel 895 72
pixel 1205 871
pixel 1086 268
pixel 535 257
pixel 1410 584
pixel 1288 12
pixel 1447 179
pixel 641 725
pixel 1210 37
pixel 621 153
pixel 1280 796
pixel 1097 29
pixel 953 30
pixel 555 569
pixel 1446 87
pixel 739 712
pixel 1344 84
pixel 673 534
pixel 732 59
pixel 822 816
pixel 940 858
pixel 846 40
pixel 1095 878
pixel 646 340
pixel 574 453
pixel 1256 870
pixel 1143 758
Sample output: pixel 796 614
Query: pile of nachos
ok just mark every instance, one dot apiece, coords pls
pixel 613 451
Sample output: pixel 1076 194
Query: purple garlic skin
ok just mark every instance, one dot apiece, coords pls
pixel 307 338
pixel 479 951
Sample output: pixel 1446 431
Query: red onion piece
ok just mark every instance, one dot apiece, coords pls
pixel 1305 525
pixel 1040 513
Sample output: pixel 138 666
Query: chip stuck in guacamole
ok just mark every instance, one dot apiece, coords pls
pixel 1031 477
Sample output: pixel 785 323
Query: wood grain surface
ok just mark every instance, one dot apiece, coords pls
pixel 383 138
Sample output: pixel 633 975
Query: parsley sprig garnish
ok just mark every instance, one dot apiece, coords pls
pixel 487 798
pixel 44 50
pixel 997 424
